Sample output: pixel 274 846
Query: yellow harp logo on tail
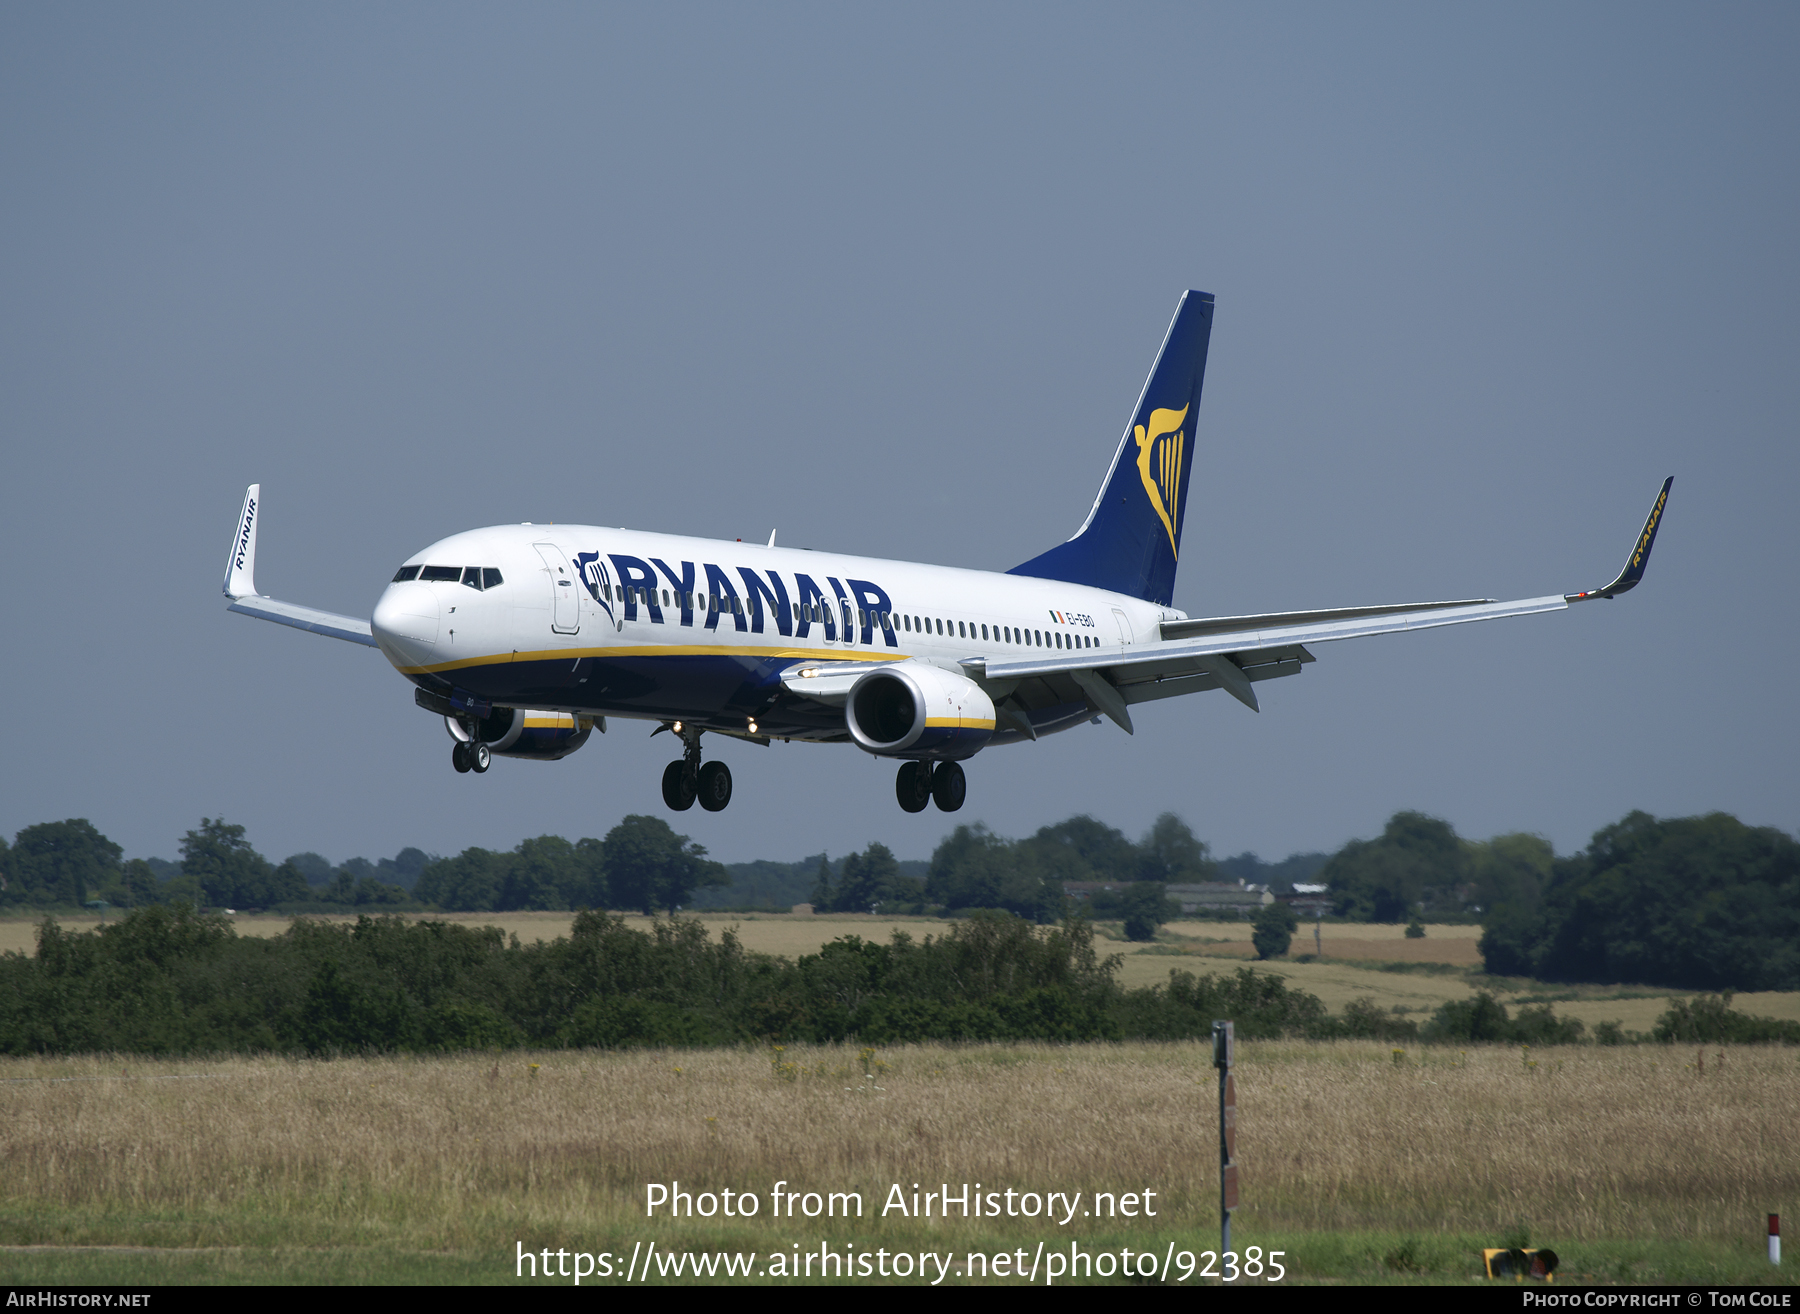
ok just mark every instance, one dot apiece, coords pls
pixel 1159 464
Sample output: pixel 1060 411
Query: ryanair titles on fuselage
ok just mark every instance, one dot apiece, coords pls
pixel 857 606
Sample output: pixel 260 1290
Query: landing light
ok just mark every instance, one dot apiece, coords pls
pixel 752 727
pixel 677 727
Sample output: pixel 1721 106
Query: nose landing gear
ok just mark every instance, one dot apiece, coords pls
pixel 918 784
pixel 686 781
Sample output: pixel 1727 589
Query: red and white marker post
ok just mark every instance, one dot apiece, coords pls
pixel 1775 1239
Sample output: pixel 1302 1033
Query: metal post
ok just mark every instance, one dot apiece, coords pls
pixel 1223 1039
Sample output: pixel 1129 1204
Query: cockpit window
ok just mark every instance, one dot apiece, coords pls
pixel 490 578
pixel 451 573
pixel 472 576
pixel 405 573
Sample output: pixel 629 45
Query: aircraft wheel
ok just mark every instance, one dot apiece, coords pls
pixel 459 758
pixel 912 786
pixel 715 786
pixel 948 786
pixel 480 758
pixel 678 789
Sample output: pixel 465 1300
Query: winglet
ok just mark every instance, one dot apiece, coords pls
pixel 240 565
pixel 1639 558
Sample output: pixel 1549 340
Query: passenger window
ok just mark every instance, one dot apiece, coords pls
pixel 490 578
pixel 406 573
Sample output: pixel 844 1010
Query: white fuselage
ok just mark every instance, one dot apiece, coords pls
pixel 623 623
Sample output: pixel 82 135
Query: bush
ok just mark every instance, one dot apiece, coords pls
pixel 1483 1020
pixel 1710 1020
pixel 1272 930
pixel 1139 927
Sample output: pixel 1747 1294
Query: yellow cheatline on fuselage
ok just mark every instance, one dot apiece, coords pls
pixel 662 650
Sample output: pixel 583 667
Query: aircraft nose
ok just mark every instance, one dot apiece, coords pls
pixel 406 619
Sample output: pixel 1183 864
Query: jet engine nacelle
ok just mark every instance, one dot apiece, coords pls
pixel 516 732
pixel 919 711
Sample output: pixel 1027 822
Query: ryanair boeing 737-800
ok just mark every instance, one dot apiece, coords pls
pixel 527 638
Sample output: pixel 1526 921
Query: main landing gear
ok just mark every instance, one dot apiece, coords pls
pixel 685 780
pixel 471 757
pixel 919 783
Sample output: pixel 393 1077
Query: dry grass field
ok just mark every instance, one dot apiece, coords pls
pixel 778 933
pixel 1360 1164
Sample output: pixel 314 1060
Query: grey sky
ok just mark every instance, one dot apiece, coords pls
pixel 889 279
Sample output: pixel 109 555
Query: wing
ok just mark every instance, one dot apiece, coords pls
pixel 240 587
pixel 1234 653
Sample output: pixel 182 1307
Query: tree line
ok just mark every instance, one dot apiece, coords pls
pixel 1699 903
pixel 166 980
pixel 169 980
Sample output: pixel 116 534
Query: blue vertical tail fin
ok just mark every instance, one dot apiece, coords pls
pixel 1131 539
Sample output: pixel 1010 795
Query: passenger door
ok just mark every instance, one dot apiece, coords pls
pixel 565 604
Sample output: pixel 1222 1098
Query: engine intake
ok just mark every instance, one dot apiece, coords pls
pixel 918 711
